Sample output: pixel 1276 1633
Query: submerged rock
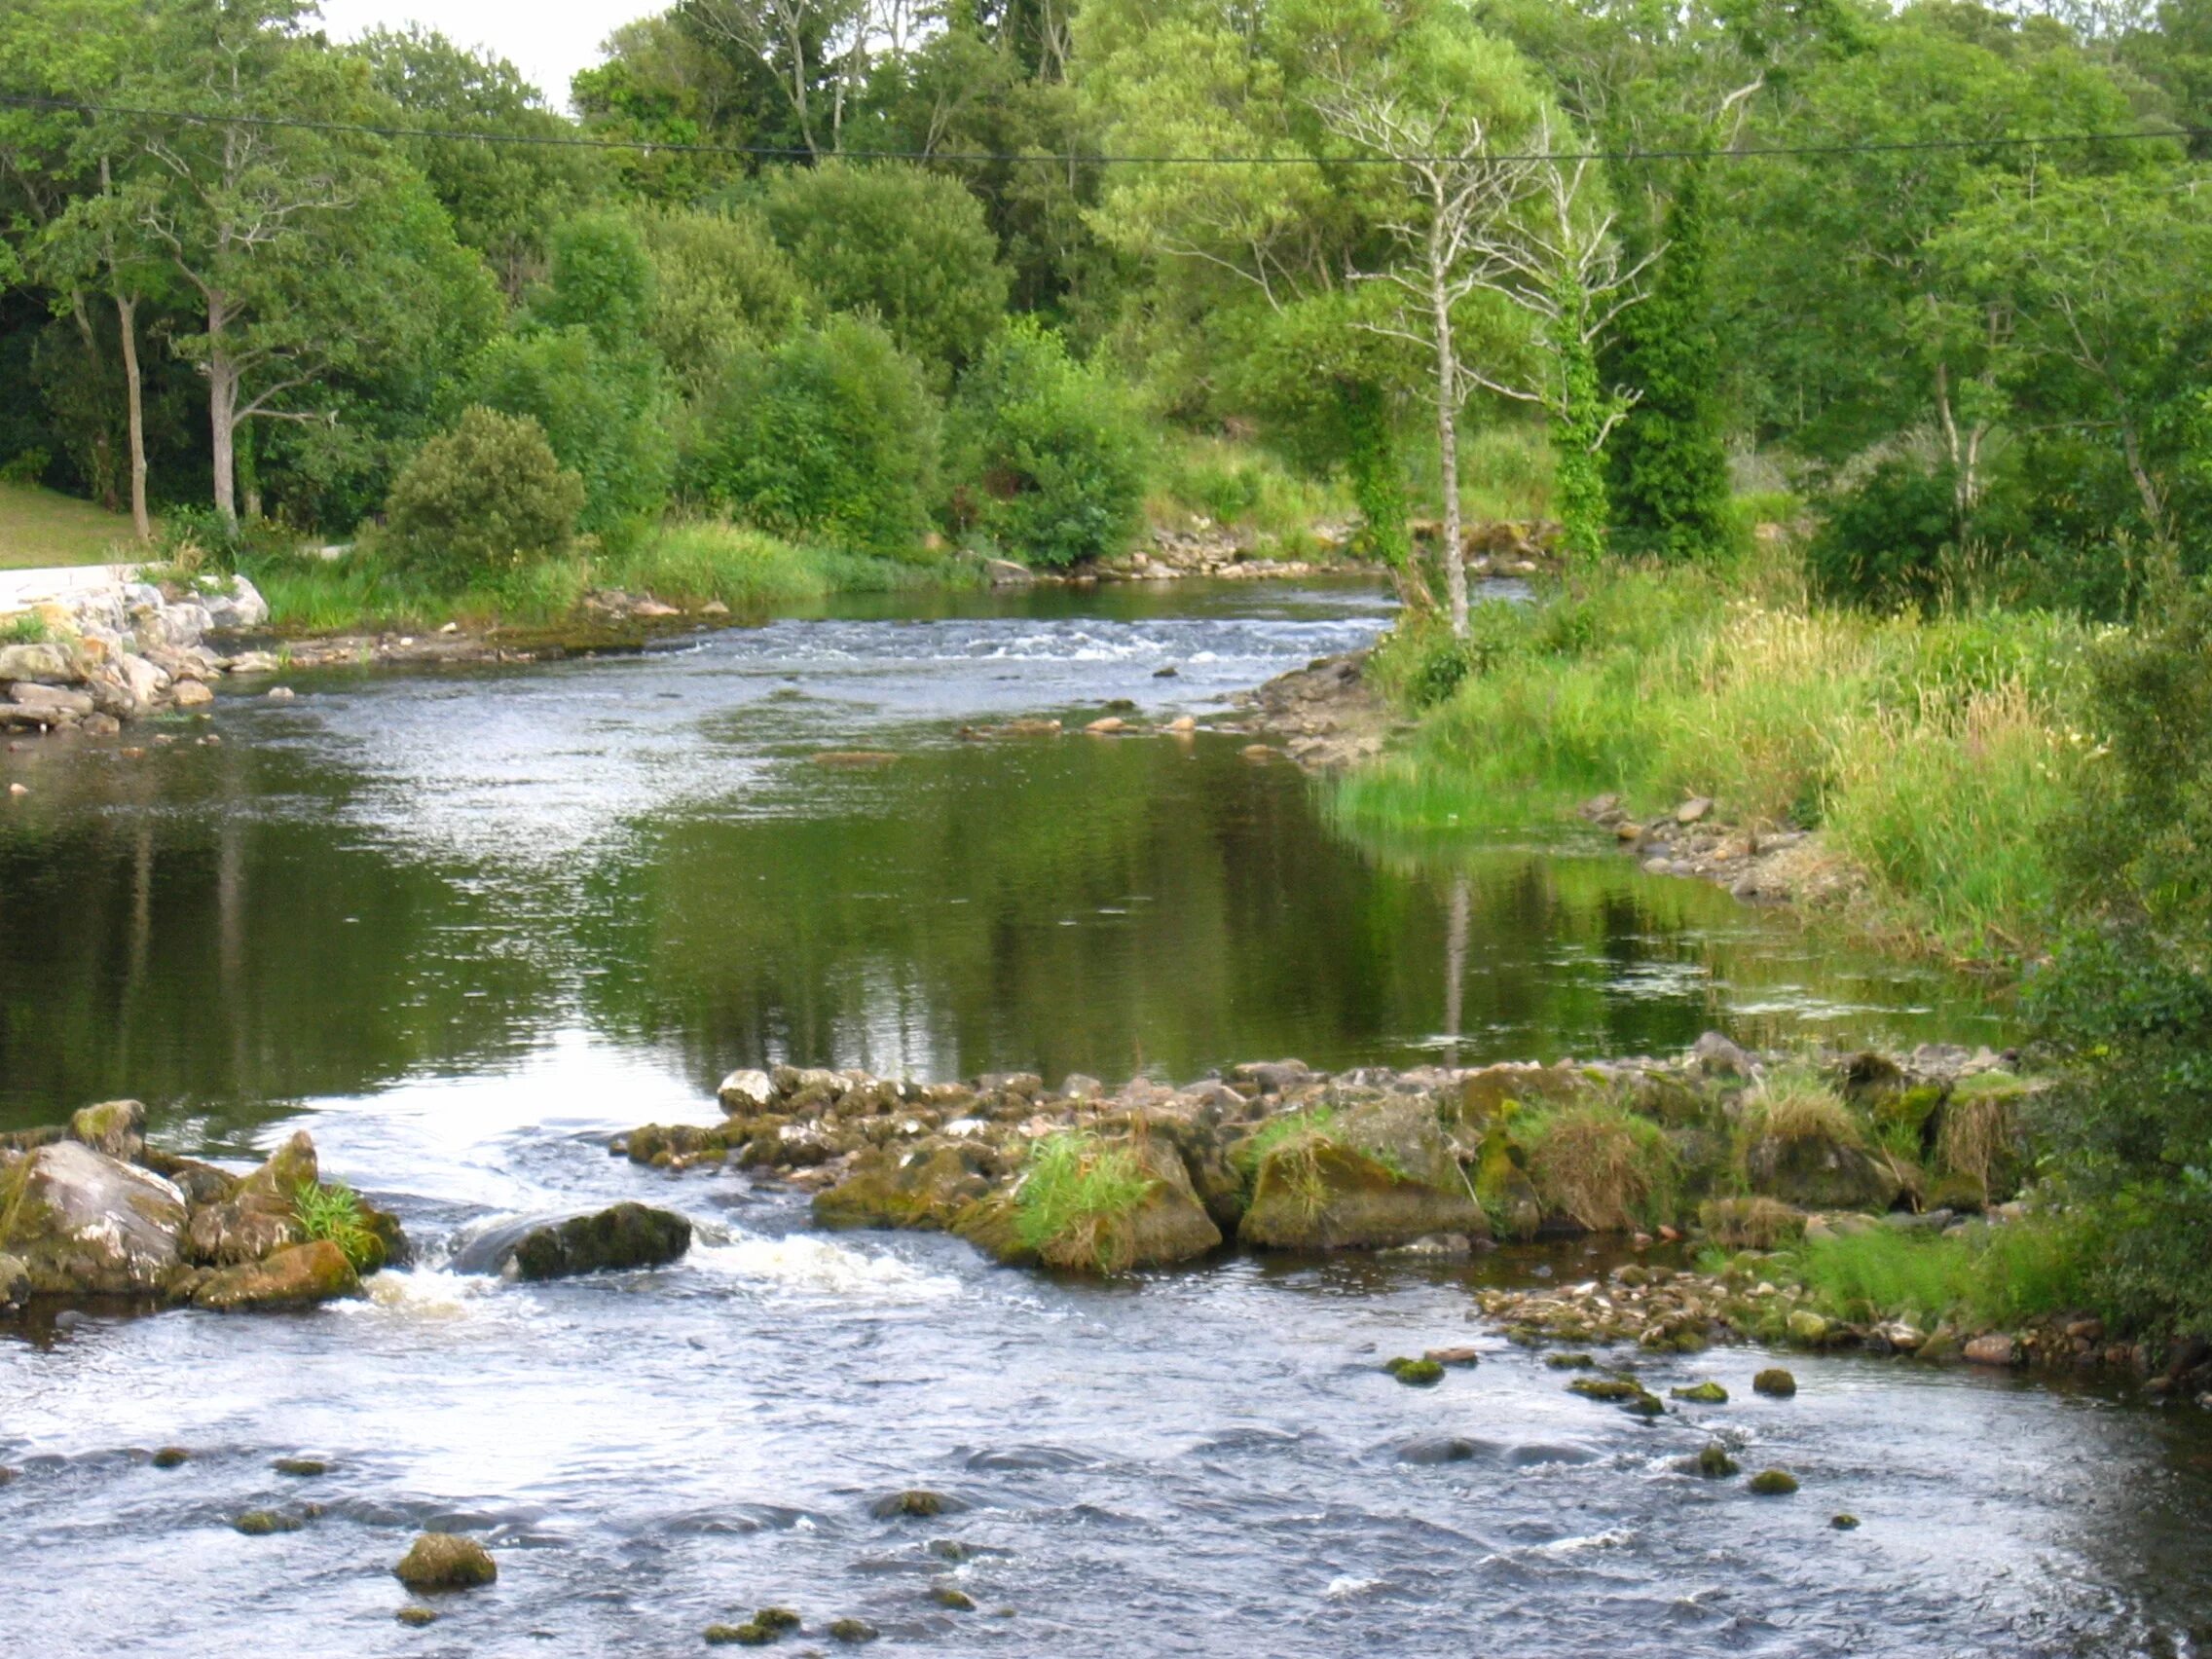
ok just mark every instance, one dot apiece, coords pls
pixel 853 1630
pixel 446 1561
pixel 1773 1483
pixel 919 1502
pixel 85 1224
pixel 261 1522
pixel 959 1600
pixel 1775 1383
pixel 415 1616
pixel 259 1215
pixel 1415 1372
pixel 1712 1462
pixel 1702 1394
pixel 624 1236
pixel 299 1276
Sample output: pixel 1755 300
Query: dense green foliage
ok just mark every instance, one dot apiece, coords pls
pixel 1058 456
pixel 832 434
pixel 482 501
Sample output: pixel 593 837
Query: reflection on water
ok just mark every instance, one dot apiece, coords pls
pixel 416 877
pixel 463 924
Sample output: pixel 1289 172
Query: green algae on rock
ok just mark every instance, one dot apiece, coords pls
pixel 1415 1372
pixel 1773 1483
pixel 1714 1462
pixel 1775 1383
pixel 1701 1394
pixel 446 1561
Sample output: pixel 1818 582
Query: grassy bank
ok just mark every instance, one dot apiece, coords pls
pixel 38 528
pixel 685 564
pixel 1932 752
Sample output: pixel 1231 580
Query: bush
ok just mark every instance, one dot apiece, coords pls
pixel 721 285
pixel 1053 455
pixel 1888 540
pixel 601 280
pixel 484 499
pixel 834 435
pixel 909 247
pixel 604 413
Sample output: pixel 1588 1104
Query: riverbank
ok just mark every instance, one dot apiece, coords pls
pixel 1907 770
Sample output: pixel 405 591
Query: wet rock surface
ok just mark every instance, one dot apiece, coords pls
pixel 622 1236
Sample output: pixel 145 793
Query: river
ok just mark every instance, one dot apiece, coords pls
pixel 465 925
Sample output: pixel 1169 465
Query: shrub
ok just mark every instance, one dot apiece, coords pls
pixel 909 245
pixel 1888 541
pixel 601 280
pixel 1053 454
pixel 721 285
pixel 604 413
pixel 834 434
pixel 484 499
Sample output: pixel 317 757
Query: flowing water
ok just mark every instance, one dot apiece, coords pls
pixel 466 925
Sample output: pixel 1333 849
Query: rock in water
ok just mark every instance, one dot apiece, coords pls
pixel 627 1236
pixel 446 1561
pixel 1381 1177
pixel 747 1092
pixel 297 1277
pixel 259 1215
pixel 86 1224
pixel 116 1127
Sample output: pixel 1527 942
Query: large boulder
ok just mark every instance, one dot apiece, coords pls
pixel 625 1236
pixel 1166 1224
pixel 297 1277
pixel 49 665
pixel 1383 1175
pixel 84 1224
pixel 260 1215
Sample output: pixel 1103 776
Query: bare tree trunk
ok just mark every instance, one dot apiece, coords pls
pixel 1455 966
pixel 222 432
pixel 127 325
pixel 1448 445
pixel 2153 508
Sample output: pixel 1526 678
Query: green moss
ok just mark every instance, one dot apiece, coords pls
pixel 1614 1390
pixel 1714 1462
pixel 1415 1372
pixel 415 1617
pixel 1773 1483
pixel 917 1503
pixel 261 1522
pixel 1702 1394
pixel 1775 1383
pixel 302 1466
pixel 1844 1523
pixel 1569 1361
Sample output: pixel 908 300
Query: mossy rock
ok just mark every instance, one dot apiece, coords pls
pixel 304 1468
pixel 1751 1223
pixel 853 1630
pixel 446 1561
pixel 1907 1114
pixel 1415 1372
pixel 1569 1361
pixel 993 1225
pixel 415 1616
pixel 1702 1394
pixel 1775 1383
pixel 1814 1171
pixel 170 1457
pixel 1508 1197
pixel 300 1276
pixel 916 1503
pixel 1381 1176
pixel 1844 1523
pixel 1712 1462
pixel 958 1600
pixel 1165 1225
pixel 623 1236
pixel 116 1127
pixel 924 1186
pixel 664 1144
pixel 261 1522
pixel 1773 1483
pixel 1806 1328
pixel 259 1216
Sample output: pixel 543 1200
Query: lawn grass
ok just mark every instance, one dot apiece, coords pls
pixel 40 526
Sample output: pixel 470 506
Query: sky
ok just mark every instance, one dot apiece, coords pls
pixel 547 40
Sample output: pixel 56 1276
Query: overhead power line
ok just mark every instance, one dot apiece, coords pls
pixel 782 151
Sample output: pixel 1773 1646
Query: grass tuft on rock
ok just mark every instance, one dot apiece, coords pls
pixel 329 1209
pixel 1077 1196
pixel 1607 1168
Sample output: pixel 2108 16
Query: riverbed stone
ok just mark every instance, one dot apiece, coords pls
pixel 446 1561
pixel 915 1502
pixel 41 664
pixel 539 1247
pixel 852 1629
pixel 922 1185
pixel 1775 1383
pixel 1994 1348
pixel 746 1091
pixel 53 700
pixel 1773 1483
pixel 86 1224
pixel 260 1215
pixel 299 1276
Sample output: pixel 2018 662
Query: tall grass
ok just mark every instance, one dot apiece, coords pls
pixel 1935 751
pixel 1980 1274
pixel 1237 484
pixel 1075 1200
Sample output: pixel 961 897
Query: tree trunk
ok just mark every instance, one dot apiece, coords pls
pixel 127 325
pixel 222 432
pixel 1448 449
pixel 2154 507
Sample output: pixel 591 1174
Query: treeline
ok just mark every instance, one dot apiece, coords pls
pixel 1801 243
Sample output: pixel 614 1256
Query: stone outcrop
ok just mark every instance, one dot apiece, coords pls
pixel 84 1224
pixel 299 1276
pixel 259 1215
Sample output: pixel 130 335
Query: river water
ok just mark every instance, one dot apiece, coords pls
pixel 466 925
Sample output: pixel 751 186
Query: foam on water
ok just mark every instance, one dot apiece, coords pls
pixel 820 1267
